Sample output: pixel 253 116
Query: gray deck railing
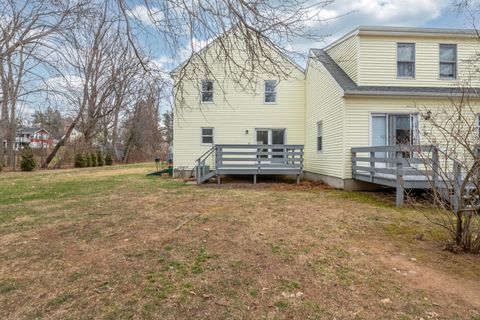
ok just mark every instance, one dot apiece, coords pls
pixel 250 159
pixel 255 159
pixel 400 166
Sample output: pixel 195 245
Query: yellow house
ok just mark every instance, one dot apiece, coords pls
pixel 372 87
pixel 259 101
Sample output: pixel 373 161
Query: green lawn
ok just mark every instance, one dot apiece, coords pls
pixel 112 243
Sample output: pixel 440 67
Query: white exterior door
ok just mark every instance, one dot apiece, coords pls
pixel 270 136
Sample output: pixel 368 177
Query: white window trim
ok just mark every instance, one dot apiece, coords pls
pixel 455 77
pixel 265 92
pixel 202 135
pixel 319 134
pixel 201 91
pixel 414 61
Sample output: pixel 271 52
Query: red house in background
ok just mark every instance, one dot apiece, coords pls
pixel 35 138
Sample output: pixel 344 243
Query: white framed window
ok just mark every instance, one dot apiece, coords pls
pixel 447 61
pixel 207 91
pixel 270 90
pixel 319 136
pixel 206 135
pixel 406 60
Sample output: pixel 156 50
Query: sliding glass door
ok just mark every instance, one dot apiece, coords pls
pixel 393 129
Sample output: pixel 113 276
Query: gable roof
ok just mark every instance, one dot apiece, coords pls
pixel 350 88
pixel 218 38
pixel 31 130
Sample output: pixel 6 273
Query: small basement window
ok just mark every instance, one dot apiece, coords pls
pixel 207 135
pixel 270 91
pixel 319 136
pixel 207 91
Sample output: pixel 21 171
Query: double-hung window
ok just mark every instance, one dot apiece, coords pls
pixel 406 60
pixel 448 61
pixel 270 90
pixel 207 91
pixel 207 135
pixel 319 136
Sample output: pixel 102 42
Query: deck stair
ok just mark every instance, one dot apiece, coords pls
pixel 204 169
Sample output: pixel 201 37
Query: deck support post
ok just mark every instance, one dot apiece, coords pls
pixel 218 179
pixel 254 179
pixel 298 179
pixel 372 166
pixel 400 194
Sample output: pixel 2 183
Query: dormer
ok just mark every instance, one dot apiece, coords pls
pixel 413 57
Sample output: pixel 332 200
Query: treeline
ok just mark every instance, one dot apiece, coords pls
pixel 78 64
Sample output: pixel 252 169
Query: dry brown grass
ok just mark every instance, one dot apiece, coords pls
pixel 112 243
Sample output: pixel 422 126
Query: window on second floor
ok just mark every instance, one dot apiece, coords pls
pixel 406 60
pixel 319 136
pixel 207 91
pixel 448 61
pixel 270 91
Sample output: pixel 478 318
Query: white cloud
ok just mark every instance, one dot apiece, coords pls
pixel 342 16
pixel 195 45
pixel 147 16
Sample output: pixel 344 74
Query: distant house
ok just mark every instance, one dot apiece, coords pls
pixel 35 138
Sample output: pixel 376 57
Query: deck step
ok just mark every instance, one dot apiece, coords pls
pixel 206 177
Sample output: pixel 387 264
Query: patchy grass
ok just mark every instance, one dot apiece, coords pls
pixel 112 243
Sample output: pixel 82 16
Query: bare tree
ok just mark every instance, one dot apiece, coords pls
pixel 262 30
pixel 98 72
pixel 142 128
pixel 25 30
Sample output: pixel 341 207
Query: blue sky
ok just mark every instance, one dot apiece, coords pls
pixel 351 14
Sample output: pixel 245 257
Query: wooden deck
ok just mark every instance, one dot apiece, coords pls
pixel 240 159
pixel 401 167
pixel 407 167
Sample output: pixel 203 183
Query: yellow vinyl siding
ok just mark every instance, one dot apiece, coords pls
pixel 237 109
pixel 345 54
pixel 378 61
pixel 324 103
pixel 358 119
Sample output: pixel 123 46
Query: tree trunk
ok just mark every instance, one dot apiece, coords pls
pixel 459 230
pixel 115 134
pixel 61 142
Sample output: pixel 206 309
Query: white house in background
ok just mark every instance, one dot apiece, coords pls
pixel 363 90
